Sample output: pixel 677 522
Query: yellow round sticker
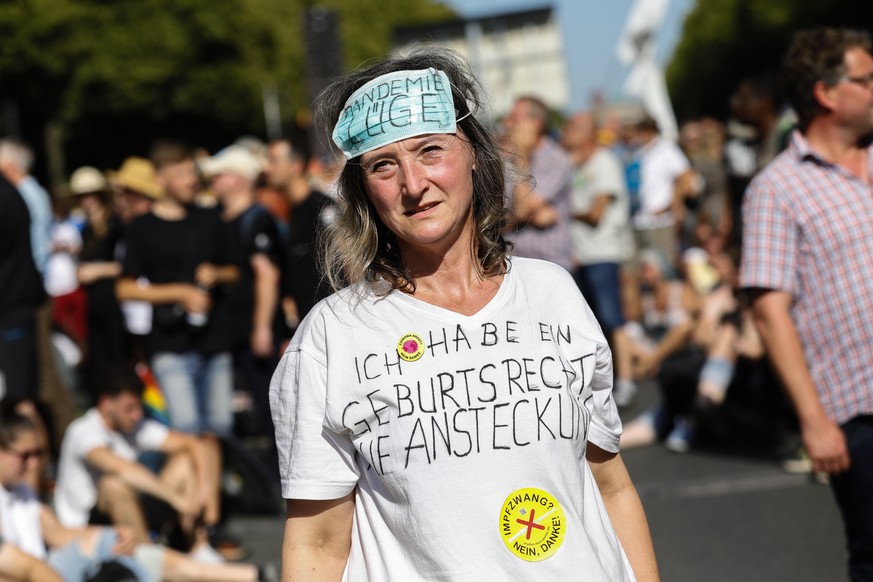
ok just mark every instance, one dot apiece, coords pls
pixel 410 347
pixel 532 524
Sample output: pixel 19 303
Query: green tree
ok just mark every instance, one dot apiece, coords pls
pixel 724 41
pixel 96 80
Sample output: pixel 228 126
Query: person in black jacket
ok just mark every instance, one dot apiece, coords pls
pixel 21 292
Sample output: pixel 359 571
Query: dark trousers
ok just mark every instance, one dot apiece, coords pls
pixel 854 493
pixel 18 356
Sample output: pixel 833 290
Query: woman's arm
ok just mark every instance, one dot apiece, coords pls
pixel 625 511
pixel 318 537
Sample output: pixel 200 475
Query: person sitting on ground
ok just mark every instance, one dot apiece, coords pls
pixel 669 307
pixel 696 376
pixel 695 382
pixel 20 566
pixel 100 477
pixel 76 552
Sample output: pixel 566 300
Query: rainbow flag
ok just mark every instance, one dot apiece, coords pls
pixel 153 399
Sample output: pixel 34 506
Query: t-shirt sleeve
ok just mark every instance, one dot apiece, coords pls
pixel 263 237
pixel 314 462
pixel 151 435
pixel 84 440
pixel 769 240
pixel 678 162
pixel 605 428
pixel 605 424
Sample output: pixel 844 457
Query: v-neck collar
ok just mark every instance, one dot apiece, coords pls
pixel 493 305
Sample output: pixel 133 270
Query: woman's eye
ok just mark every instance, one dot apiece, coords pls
pixel 380 166
pixel 431 152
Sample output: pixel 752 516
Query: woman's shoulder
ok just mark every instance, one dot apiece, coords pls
pixel 346 308
pixel 538 272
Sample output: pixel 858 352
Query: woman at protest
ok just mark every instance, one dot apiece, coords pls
pixel 447 414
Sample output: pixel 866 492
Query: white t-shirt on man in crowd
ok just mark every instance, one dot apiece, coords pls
pixel 611 241
pixel 661 164
pixel 76 489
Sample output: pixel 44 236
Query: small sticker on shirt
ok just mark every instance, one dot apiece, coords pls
pixel 532 524
pixel 410 347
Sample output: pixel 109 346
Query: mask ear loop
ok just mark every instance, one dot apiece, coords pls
pixel 470 104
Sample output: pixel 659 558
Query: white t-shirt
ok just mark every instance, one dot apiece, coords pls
pixel 60 273
pixel 20 509
pixel 472 443
pixel 76 489
pixel 611 241
pixel 661 163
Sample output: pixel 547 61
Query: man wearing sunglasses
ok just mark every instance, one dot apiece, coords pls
pixel 808 262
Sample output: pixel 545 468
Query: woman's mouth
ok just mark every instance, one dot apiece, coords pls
pixel 420 209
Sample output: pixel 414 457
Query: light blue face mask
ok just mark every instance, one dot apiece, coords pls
pixel 394 107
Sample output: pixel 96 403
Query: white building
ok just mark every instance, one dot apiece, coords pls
pixel 512 54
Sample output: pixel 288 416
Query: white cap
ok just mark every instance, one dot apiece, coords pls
pixel 86 180
pixel 234 159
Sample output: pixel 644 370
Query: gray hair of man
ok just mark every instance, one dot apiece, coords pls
pixel 17 153
pixel 357 246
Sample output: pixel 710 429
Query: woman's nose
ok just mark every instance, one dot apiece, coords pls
pixel 413 181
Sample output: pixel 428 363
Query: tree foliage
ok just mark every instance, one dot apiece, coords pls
pixel 724 41
pixel 112 75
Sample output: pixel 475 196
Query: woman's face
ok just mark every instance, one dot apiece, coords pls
pixel 422 188
pixel 18 458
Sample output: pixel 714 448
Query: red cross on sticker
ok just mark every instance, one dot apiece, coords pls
pixel 532 524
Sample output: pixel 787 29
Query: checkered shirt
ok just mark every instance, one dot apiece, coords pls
pixel 808 231
pixel 552 172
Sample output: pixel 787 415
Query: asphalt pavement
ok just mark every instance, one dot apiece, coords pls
pixel 715 516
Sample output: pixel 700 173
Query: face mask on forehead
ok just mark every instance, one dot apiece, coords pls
pixel 394 107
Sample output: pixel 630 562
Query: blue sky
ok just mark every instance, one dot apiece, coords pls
pixel 591 30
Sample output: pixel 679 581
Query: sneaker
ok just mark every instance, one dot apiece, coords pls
pixel 229 547
pixel 624 392
pixel 798 462
pixel 206 554
pixel 679 439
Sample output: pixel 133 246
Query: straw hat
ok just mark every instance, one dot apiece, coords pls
pixel 139 175
pixel 87 180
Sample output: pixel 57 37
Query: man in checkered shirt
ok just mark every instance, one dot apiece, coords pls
pixel 808 262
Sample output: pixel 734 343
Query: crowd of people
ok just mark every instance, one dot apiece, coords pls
pixel 167 288
pixel 188 274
